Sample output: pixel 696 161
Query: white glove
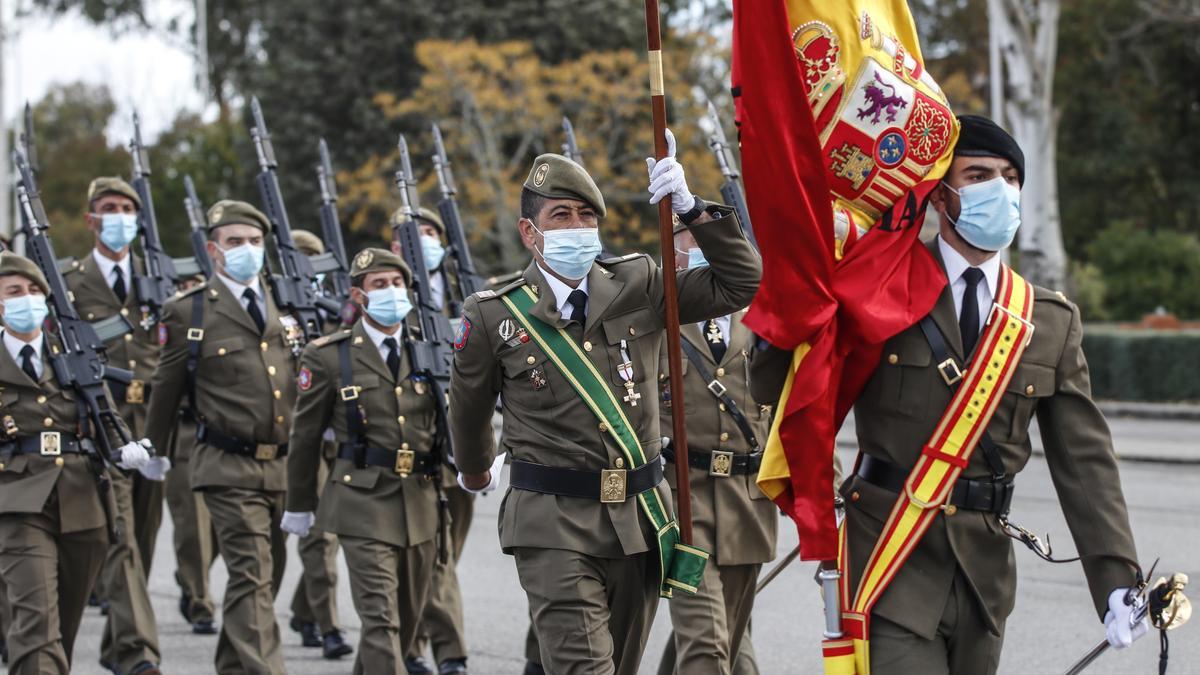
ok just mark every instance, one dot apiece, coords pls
pixel 1117 620
pixel 135 454
pixel 298 523
pixel 155 468
pixel 666 177
pixel 493 479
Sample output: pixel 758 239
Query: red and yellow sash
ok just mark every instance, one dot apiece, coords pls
pixel 932 479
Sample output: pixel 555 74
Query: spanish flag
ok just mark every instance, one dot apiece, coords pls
pixel 843 136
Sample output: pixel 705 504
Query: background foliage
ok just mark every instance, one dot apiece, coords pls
pixel 499 75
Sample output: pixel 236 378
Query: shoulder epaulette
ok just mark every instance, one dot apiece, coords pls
pixel 331 338
pixel 192 291
pixel 1055 297
pixel 489 293
pixel 67 265
pixel 620 259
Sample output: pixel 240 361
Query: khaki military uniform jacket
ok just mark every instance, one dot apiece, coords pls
pixel 898 412
pixel 137 350
pixel 731 518
pixel 546 422
pixel 26 481
pixel 245 386
pixel 372 502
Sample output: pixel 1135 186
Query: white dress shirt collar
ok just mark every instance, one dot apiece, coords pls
pixel 377 337
pixel 14 345
pixel 723 322
pixel 106 266
pixel 561 290
pixel 956 264
pixel 238 288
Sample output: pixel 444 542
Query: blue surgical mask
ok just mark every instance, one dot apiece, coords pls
pixel 388 306
pixel 990 213
pixel 696 258
pixel 25 313
pixel 244 262
pixel 572 251
pixel 433 251
pixel 118 230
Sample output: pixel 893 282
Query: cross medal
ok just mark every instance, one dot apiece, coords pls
pixel 625 369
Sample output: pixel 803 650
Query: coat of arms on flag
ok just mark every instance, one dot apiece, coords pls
pixel 883 122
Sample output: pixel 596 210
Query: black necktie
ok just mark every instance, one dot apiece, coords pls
pixel 715 339
pixel 393 357
pixel 968 320
pixel 119 285
pixel 27 362
pixel 255 312
pixel 578 301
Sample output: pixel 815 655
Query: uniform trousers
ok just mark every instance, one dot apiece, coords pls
pixel 963 642
pixel 130 633
pixel 710 625
pixel 390 585
pixel 591 615
pixel 254 551
pixel 193 538
pixel 48 575
pixel 315 599
pixel 442 622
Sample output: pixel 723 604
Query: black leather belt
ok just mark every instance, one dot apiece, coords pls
pixel 47 444
pixel 973 495
pixel 402 462
pixel 720 463
pixel 610 486
pixel 234 445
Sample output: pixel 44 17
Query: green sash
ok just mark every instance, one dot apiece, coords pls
pixel 681 566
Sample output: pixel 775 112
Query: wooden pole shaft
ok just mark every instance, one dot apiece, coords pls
pixel 658 107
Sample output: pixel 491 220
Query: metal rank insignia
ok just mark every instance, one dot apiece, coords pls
pixel 512 334
pixel 537 378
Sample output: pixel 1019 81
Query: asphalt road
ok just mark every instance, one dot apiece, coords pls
pixel 1053 623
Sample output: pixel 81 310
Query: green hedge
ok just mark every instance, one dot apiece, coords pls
pixel 1143 365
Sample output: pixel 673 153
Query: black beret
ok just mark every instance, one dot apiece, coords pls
pixel 981 137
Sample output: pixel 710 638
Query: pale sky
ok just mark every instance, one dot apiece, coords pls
pixel 142 70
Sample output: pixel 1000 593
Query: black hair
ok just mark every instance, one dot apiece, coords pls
pixel 531 204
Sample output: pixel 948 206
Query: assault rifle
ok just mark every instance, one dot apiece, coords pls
pixel 468 279
pixel 80 366
pixel 731 191
pixel 157 285
pixel 432 354
pixel 569 148
pixel 430 351
pixel 295 286
pixel 333 263
pixel 199 235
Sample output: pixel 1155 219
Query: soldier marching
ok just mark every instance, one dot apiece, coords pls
pixel 341 431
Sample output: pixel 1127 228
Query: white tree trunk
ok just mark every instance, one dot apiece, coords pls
pixel 1028 32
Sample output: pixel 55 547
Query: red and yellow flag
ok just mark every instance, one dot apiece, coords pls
pixel 843 135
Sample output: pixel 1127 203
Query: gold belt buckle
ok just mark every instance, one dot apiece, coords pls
pixel 722 464
pixel 950 372
pixel 348 393
pixel 265 451
pixel 51 444
pixel 136 392
pixel 405 461
pixel 612 486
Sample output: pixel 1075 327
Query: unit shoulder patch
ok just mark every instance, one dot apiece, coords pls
pixel 305 379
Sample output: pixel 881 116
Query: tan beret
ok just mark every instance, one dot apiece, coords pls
pixel 377 260
pixel 13 263
pixel 427 215
pixel 307 242
pixel 233 212
pixel 112 185
pixel 556 177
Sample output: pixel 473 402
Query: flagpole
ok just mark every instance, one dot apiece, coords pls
pixel 666 238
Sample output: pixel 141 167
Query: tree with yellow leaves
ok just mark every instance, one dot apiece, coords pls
pixel 500 106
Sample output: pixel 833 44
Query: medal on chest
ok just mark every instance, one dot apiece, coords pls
pixel 512 334
pixel 537 379
pixel 293 336
pixel 625 370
